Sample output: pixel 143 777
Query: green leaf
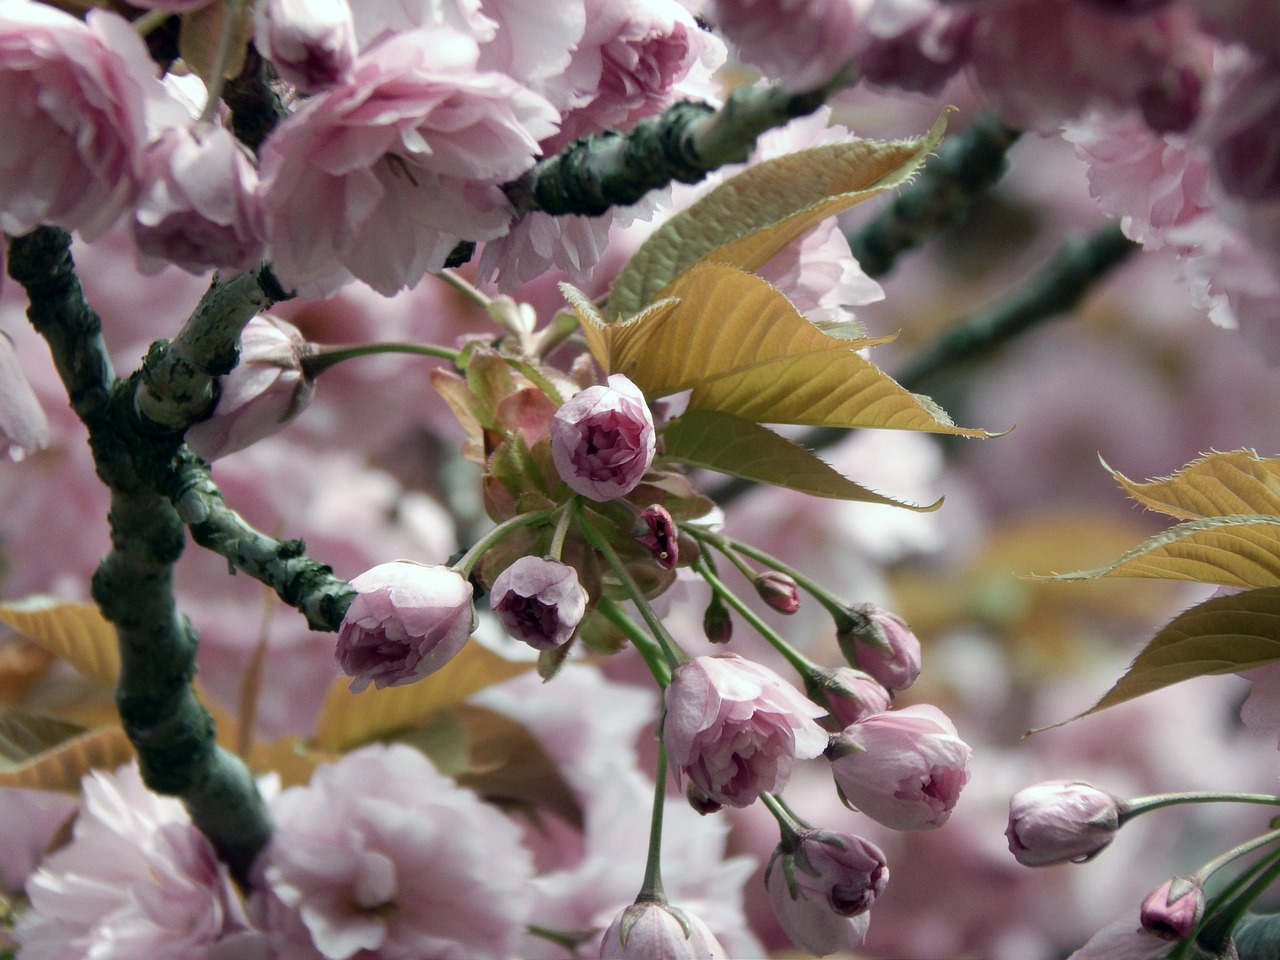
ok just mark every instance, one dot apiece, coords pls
pixel 728 444
pixel 1238 551
pixel 1217 485
pixel 348 719
pixel 751 216
pixel 74 632
pixel 744 349
pixel 1221 635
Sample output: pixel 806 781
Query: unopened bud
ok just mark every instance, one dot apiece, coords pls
pixel 849 695
pixel 656 531
pixel 700 801
pixel 1061 820
pixel 1173 909
pixel 882 644
pixel 778 590
pixel 716 622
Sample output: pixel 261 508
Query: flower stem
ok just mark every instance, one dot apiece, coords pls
pixel 670 649
pixel 802 664
pixel 502 530
pixel 463 286
pixel 649 651
pixel 221 57
pixel 788 823
pixel 652 887
pixel 1133 808
pixel 321 358
pixel 556 550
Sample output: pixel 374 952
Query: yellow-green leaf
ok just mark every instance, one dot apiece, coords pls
pixel 728 444
pixel 74 632
pixel 1222 635
pixel 744 349
pixel 349 719
pixel 1238 551
pixel 62 767
pixel 751 216
pixel 24 735
pixel 1217 485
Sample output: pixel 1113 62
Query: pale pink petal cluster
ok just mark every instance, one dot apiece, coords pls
pixel 136 880
pixel 199 207
pixel 735 728
pixel 78 92
pixel 649 930
pixel 903 768
pixel 884 646
pixel 311 43
pixel 264 391
pixel 383 856
pixel 802 44
pixel 852 695
pixel 407 621
pixel 602 439
pixel 381 177
pixel 539 601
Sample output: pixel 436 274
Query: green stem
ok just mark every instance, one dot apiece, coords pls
pixel 802 664
pixel 321 358
pixel 556 550
pixel 645 645
pixel 670 649
pixel 1218 930
pixel 1133 808
pixel 467 289
pixel 789 824
pixel 150 21
pixel 502 530
pixel 652 887
pixel 221 57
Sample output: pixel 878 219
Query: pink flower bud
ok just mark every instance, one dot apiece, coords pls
pixel 1172 910
pixel 648 929
pixel 735 727
pixel 656 531
pixel 778 590
pixel 903 768
pixel 851 695
pixel 312 43
pixel 539 601
pixel 266 389
pixel 822 890
pixel 602 439
pixel 407 620
pixel 883 645
pixel 23 427
pixel 1059 821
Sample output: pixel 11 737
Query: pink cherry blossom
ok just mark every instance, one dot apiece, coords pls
pixel 382 856
pixel 265 389
pixel 539 601
pixel 199 208
pixel 407 620
pixel 852 695
pixel 1059 821
pixel 735 728
pixel 649 930
pixel 136 880
pixel 311 43
pixel 602 439
pixel 903 768
pixel 883 645
pixel 379 178
pixel 1172 910
pixel 24 429
pixel 79 92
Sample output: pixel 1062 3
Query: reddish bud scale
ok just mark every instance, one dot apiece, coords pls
pixel 778 590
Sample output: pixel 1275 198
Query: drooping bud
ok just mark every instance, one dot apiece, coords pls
pixel 778 590
pixel 602 439
pixel 850 695
pixel 264 391
pixel 717 625
pixel 656 531
pixel 407 620
pixel 882 644
pixel 1172 910
pixel 700 802
pixel 539 601
pixel 312 43
pixel 649 928
pixel 1061 820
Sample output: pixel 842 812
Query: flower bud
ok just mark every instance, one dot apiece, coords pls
pixel 23 426
pixel 822 890
pixel 700 802
pixel 602 439
pixel 882 644
pixel 656 531
pixel 649 929
pixel 717 625
pixel 903 768
pixel 266 389
pixel 1172 910
pixel 407 620
pixel 778 590
pixel 735 727
pixel 851 695
pixel 1059 821
pixel 312 43
pixel 539 601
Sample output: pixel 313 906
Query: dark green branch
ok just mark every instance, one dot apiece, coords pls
pixel 966 165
